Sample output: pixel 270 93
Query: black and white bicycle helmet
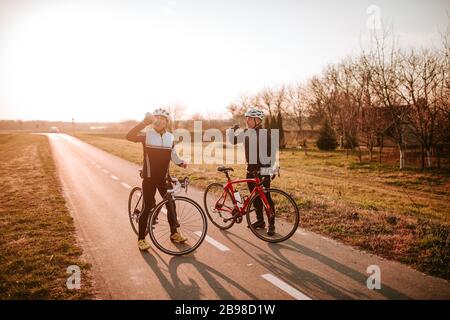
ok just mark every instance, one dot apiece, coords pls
pixel 162 112
pixel 254 113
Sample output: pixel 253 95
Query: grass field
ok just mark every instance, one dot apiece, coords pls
pixel 37 241
pixel 400 215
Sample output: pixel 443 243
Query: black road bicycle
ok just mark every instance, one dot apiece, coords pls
pixel 192 221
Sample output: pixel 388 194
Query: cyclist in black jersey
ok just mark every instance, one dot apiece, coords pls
pixel 158 149
pixel 257 141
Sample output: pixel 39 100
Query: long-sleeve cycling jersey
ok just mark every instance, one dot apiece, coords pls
pixel 158 151
pixel 256 142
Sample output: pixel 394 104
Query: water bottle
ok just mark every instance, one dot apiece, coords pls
pixel 237 197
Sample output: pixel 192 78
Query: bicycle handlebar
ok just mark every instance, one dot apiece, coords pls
pixel 178 185
pixel 272 174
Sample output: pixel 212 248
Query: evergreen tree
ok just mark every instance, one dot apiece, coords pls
pixel 267 123
pixel 273 123
pixel 327 137
pixel 281 131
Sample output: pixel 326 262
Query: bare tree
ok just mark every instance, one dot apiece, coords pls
pixel 280 100
pixel 348 102
pixel 384 61
pixel 297 108
pixel 177 111
pixel 371 123
pixel 321 98
pixel 197 117
pixel 265 101
pixel 443 90
pixel 238 108
pixel 280 106
pixel 420 75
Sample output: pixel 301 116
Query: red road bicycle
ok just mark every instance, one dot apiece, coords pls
pixel 263 207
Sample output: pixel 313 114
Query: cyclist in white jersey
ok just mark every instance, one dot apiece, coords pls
pixel 158 149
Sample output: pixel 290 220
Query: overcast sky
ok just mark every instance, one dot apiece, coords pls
pixel 112 60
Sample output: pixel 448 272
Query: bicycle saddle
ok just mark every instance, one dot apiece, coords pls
pixel 224 169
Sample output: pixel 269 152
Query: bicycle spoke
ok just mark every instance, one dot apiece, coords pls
pixel 190 219
pixel 190 222
pixel 191 230
pixel 193 225
pixel 219 206
pixel 283 213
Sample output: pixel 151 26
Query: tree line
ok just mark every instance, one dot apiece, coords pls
pixel 385 92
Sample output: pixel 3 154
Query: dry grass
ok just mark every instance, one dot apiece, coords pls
pixel 37 241
pixel 400 215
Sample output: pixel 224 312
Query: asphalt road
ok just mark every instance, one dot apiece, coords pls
pixel 231 264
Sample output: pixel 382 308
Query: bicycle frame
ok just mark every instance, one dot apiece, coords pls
pixel 171 190
pixel 167 196
pixel 259 189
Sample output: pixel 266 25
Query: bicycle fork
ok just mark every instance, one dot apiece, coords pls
pixel 269 208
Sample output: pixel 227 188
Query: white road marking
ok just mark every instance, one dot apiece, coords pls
pixel 212 241
pixel 98 166
pixel 215 243
pixel 303 233
pixel 285 287
pixel 126 185
pixel 114 177
pixel 105 171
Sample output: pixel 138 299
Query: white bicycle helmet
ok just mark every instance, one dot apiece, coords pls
pixel 162 112
pixel 254 113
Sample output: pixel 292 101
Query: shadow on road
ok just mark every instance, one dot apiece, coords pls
pixel 281 266
pixel 175 287
pixel 360 278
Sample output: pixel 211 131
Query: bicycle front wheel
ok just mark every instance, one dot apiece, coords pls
pixel 192 224
pixel 219 206
pixel 135 206
pixel 275 223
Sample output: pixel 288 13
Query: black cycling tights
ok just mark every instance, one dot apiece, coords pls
pixel 258 202
pixel 149 187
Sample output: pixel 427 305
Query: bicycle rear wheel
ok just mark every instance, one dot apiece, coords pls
pixel 192 224
pixel 219 206
pixel 285 219
pixel 135 206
